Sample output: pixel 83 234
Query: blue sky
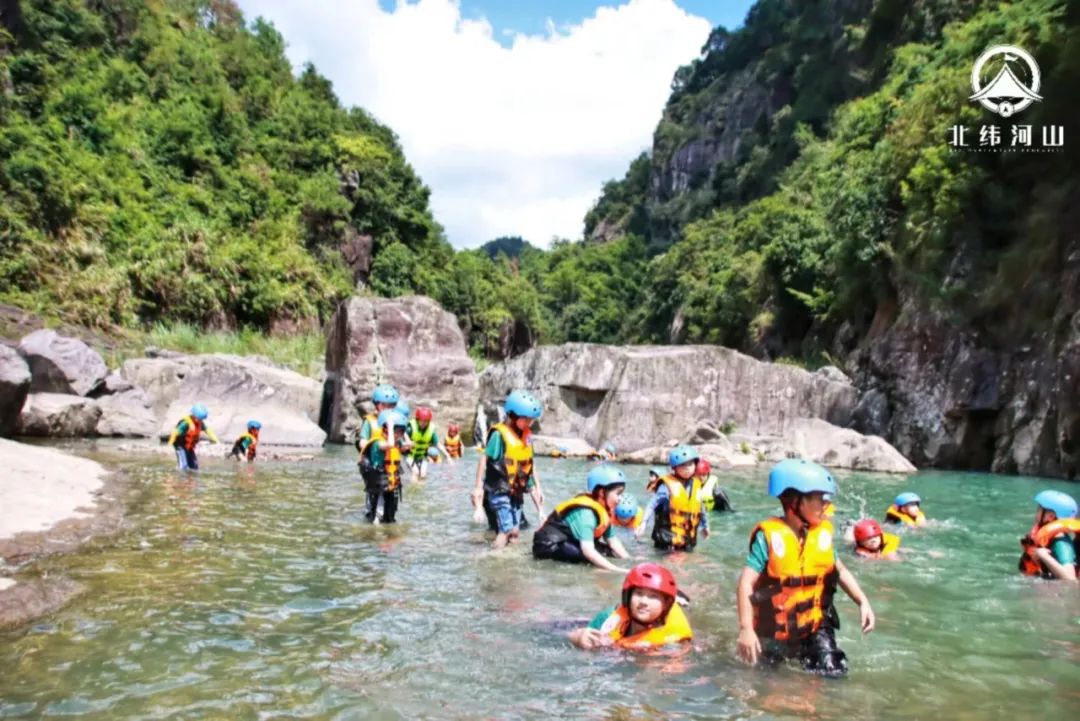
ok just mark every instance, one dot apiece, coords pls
pixel 531 16
pixel 514 123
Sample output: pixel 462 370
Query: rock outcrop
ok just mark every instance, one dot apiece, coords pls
pixel 56 415
pixel 408 341
pixel 641 396
pixel 59 364
pixel 235 389
pixel 810 438
pixel 14 387
pixel 127 413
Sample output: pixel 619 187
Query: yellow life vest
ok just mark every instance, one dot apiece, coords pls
pixel 454 446
pixel 238 445
pixel 633 523
pixel 684 510
pixel 584 500
pixel 896 514
pixel 790 598
pixel 421 439
pixel 890 543
pixel 391 468
pixel 674 629
pixel 515 469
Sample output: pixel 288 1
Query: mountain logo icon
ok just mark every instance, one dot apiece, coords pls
pixel 1013 76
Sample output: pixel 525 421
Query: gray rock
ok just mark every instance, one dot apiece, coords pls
pixel 62 365
pixel 570 447
pixel 871 415
pixel 14 387
pixel 127 413
pixel 834 374
pixel 115 382
pixel 641 395
pixel 235 390
pixel 408 341
pixel 58 416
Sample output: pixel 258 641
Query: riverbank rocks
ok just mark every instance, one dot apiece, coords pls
pixel 569 447
pixel 410 342
pixel 810 438
pixel 62 365
pixel 127 413
pixel 56 415
pixel 235 389
pixel 14 387
pixel 639 396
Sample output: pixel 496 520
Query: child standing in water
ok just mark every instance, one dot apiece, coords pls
pixel 505 471
pixel 647 618
pixel 1049 552
pixel 677 505
pixel 185 437
pixel 245 446
pixel 786 589
pixel 381 462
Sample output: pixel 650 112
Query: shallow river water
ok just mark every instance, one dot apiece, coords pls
pixel 259 592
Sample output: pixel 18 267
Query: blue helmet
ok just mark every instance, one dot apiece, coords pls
pixel 403 408
pixel 680 455
pixel 433 452
pixel 658 471
pixel 199 411
pixel 523 404
pixel 627 508
pixel 907 497
pixel 391 417
pixel 603 476
pixel 384 393
pixel 611 447
pixel 800 475
pixel 254 424
pixel 1062 504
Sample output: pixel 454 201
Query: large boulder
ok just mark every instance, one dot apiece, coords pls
pixel 58 416
pixel 810 438
pixel 62 365
pixel 235 389
pixel 158 378
pixel 639 396
pixel 127 413
pixel 14 386
pixel 408 341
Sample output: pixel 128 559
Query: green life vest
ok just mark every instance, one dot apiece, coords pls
pixel 421 440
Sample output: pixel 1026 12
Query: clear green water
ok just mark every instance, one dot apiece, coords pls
pixel 260 593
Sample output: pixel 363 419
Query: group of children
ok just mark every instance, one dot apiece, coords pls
pixel 786 589
pixel 185 439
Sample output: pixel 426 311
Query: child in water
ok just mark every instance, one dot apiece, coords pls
pixel 872 542
pixel 906 509
pixel 647 618
pixel 245 446
pixel 785 592
pixel 1048 550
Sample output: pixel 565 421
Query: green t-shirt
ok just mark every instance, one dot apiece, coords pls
pixel 582 523
pixel 758 559
pixel 601 618
pixel 1063 550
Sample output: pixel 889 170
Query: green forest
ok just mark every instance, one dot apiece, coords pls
pixel 161 163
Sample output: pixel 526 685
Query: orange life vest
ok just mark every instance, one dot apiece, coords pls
pixel 1042 537
pixel 792 596
pixel 674 629
pixel 896 514
pixel 453 446
pixel 253 436
pixel 584 500
pixel 890 543
pixel 190 439
pixel 684 511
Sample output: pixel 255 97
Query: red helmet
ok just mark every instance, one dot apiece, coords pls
pixel 649 575
pixel 423 414
pixel 453 428
pixel 866 528
pixel 703 467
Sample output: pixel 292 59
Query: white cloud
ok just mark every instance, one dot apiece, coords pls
pixel 512 140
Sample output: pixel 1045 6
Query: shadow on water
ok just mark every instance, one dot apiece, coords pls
pixel 259 592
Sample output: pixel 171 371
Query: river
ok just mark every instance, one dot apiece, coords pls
pixel 259 592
